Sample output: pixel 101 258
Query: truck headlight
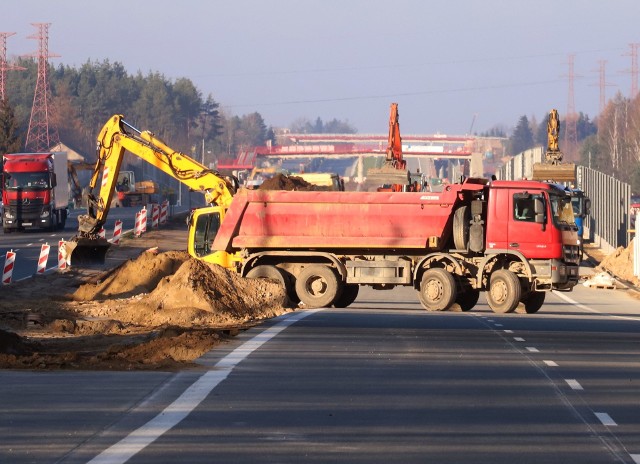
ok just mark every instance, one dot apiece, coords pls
pixel 8 214
pixel 44 214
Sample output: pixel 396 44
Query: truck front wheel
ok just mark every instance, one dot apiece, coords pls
pixel 504 291
pixel 317 286
pixel 271 273
pixel 437 290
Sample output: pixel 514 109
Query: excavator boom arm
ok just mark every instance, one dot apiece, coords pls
pixel 117 137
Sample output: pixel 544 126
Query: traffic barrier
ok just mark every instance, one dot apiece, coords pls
pixel 102 233
pixel 117 232
pixel 143 219
pixel 62 262
pixel 9 262
pixel 163 212
pixel 155 215
pixel 44 257
pixel 137 229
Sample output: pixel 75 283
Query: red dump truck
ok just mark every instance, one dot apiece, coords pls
pixel 515 240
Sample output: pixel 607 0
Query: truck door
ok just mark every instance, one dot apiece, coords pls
pixel 527 231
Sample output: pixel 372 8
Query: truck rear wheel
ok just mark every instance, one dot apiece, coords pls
pixel 317 286
pixel 437 290
pixel 467 297
pixel 461 220
pixel 533 302
pixel 504 291
pixel 348 296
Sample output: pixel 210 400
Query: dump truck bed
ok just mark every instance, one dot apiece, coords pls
pixel 328 220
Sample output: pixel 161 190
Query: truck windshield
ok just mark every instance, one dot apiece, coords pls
pixel 562 209
pixel 206 229
pixel 576 202
pixel 27 180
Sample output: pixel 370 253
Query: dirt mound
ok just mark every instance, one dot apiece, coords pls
pixel 157 311
pixel 284 182
pixel 620 264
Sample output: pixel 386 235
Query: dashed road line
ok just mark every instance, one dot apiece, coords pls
pixel 605 419
pixel 532 349
pixel 574 384
pixel 508 331
pixel 518 339
pixel 636 458
pixel 550 363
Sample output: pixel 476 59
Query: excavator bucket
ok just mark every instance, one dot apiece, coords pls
pixel 563 172
pixel 388 175
pixel 85 251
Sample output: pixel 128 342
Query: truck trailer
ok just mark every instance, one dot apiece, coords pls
pixel 516 240
pixel 35 191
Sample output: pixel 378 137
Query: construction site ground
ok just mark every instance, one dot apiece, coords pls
pixel 150 306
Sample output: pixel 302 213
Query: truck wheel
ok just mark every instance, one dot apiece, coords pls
pixel 461 220
pixel 317 286
pixel 348 296
pixel 271 273
pixel 467 298
pixel 533 301
pixel 437 290
pixel 504 291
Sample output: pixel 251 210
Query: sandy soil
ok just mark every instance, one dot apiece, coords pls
pixel 159 310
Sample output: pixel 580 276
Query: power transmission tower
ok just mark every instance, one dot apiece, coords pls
pixel 633 53
pixel 41 136
pixel 603 84
pixel 571 118
pixel 4 65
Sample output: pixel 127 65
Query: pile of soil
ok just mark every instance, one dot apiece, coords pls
pixel 284 182
pixel 620 264
pixel 161 310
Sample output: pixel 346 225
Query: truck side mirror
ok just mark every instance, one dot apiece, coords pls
pixel 587 206
pixel 53 180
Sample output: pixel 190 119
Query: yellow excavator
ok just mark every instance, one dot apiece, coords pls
pixel 553 168
pixel 116 137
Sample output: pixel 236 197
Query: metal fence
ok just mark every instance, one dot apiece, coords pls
pixel 609 225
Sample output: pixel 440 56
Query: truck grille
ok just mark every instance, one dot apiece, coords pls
pixel 32 208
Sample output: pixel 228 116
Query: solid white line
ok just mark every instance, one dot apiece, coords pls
pixel 532 349
pixel 518 339
pixel 550 363
pixel 605 418
pixel 142 437
pixel 574 384
pixel 586 308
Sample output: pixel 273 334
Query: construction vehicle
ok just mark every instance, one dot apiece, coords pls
pixel 132 193
pixel 116 137
pixel 36 191
pixel 552 168
pixel 393 175
pixel 515 240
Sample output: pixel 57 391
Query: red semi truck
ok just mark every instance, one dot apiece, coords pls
pixel 35 191
pixel 515 240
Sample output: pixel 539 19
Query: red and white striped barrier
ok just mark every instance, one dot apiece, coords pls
pixel 44 257
pixel 143 219
pixel 163 212
pixel 155 215
pixel 9 262
pixel 117 232
pixel 137 229
pixel 62 262
pixel 102 233
pixel 105 176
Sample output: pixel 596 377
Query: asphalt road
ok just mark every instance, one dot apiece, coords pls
pixel 382 381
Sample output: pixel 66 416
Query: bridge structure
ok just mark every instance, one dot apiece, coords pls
pixel 351 155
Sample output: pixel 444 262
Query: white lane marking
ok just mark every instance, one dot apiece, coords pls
pixel 532 349
pixel 574 384
pixel 636 458
pixel 498 325
pixel 550 363
pixel 587 308
pixel 507 331
pixel 142 437
pixel 605 418
pixel 518 339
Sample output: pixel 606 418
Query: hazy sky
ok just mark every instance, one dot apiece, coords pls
pixel 442 61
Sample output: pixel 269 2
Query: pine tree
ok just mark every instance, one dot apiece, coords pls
pixel 522 137
pixel 9 140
